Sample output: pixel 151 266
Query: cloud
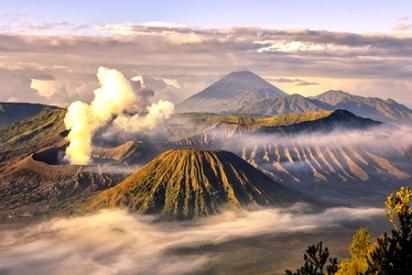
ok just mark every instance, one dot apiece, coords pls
pixel 196 56
pixel 45 87
pixel 21 24
pixel 115 96
pixel 403 24
pixel 392 139
pixel 117 242
pixel 156 114
pixel 297 82
pixel 402 27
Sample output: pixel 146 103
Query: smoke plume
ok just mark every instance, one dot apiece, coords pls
pixel 115 96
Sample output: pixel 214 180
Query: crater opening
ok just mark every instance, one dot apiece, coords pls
pixel 51 156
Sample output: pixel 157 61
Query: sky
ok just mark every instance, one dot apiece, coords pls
pixel 352 15
pixel 50 50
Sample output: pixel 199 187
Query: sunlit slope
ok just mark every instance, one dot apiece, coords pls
pixel 331 163
pixel 184 183
pixel 33 134
pixel 289 124
pixel 186 125
pixel 306 150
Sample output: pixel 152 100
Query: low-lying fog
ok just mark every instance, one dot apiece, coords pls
pixel 118 242
pixel 386 137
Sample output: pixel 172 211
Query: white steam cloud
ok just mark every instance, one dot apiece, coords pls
pixel 157 112
pixel 117 242
pixel 115 95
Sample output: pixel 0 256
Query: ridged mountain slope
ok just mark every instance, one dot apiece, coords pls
pixel 185 183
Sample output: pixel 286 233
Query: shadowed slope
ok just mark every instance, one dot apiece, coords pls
pixel 12 112
pixel 185 183
pixel 30 186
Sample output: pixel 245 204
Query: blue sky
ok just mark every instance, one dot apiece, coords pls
pixel 352 16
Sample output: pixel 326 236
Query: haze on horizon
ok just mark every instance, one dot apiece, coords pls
pixel 50 51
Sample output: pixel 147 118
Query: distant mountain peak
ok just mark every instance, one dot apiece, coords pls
pixel 230 91
pixel 238 82
pixel 244 74
pixel 372 107
pixel 337 92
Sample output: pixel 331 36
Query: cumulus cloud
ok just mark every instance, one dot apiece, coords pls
pixel 116 242
pixel 45 87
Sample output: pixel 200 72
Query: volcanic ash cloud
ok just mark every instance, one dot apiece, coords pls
pixel 115 95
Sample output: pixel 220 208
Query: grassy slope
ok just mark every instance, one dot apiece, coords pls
pixel 185 183
pixel 32 134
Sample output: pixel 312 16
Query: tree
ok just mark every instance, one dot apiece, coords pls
pixel 393 254
pixel 359 250
pixel 316 258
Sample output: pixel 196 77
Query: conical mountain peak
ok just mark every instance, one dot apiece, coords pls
pixel 184 183
pixel 230 91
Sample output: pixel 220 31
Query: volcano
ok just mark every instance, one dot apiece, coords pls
pixel 230 93
pixel 185 183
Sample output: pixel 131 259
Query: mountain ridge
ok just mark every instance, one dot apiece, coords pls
pixel 282 125
pixel 373 107
pixel 244 92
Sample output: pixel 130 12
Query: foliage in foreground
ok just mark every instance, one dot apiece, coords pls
pixel 392 254
pixel 359 250
pixel 316 262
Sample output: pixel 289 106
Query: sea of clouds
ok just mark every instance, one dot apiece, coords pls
pixel 119 242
